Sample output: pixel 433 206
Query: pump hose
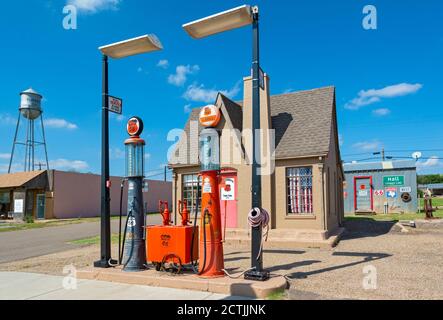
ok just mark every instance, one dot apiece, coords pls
pixel 130 214
pixel 120 223
pixel 197 207
pixel 259 217
pixel 204 241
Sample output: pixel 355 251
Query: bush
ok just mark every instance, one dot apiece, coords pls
pixel 29 219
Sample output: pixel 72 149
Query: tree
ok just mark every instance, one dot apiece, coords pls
pixel 430 179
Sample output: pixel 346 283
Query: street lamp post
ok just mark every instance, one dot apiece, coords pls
pixel 224 21
pixel 123 49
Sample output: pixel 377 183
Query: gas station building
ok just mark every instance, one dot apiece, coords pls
pixel 304 194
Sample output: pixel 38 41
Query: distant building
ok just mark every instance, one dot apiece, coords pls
pixel 66 195
pixel 436 188
pixel 379 186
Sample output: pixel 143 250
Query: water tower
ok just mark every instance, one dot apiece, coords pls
pixel 30 111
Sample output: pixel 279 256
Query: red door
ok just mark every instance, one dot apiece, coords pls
pixel 228 199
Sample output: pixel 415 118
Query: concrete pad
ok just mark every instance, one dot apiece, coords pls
pixel 25 286
pixel 225 285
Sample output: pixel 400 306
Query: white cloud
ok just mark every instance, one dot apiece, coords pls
pixel 7 119
pixel 93 6
pixel 381 112
pixel 60 124
pixel 367 145
pixel 367 97
pixel 341 140
pixel 163 64
pixel 181 76
pixel 187 108
pixel 5 156
pixel 199 93
pixel 117 153
pixel 431 162
pixel 63 164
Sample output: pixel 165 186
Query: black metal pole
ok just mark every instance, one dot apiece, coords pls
pixel 105 232
pixel 256 253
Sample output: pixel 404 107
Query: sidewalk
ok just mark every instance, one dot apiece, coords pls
pixel 28 286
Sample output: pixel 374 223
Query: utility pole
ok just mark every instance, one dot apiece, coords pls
pixel 382 153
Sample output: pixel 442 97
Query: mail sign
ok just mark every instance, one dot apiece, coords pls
pixel 393 181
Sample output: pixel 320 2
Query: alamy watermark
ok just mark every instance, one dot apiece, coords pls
pixel 236 148
pixel 369 278
pixel 70 280
pixel 70 17
pixel 370 18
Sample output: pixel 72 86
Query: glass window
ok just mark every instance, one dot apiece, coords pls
pixel 299 186
pixel 190 184
pixel 4 197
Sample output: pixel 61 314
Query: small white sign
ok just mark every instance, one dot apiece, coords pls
pixel 228 192
pixel 207 188
pixel 363 193
pixel 18 206
pixel 406 190
pixel 115 105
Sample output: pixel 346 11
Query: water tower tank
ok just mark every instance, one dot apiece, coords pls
pixel 31 104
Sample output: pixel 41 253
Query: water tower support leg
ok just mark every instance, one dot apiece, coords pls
pixel 13 145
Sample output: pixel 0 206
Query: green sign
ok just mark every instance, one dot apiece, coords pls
pixel 390 181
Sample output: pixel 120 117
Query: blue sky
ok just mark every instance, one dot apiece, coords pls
pixel 389 87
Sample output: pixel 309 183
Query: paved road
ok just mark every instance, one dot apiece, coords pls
pixel 27 286
pixel 19 245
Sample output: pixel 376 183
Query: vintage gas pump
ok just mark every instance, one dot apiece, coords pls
pixel 134 249
pixel 211 246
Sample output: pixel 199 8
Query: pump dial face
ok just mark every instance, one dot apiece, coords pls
pixel 135 126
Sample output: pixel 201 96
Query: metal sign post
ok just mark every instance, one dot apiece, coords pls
pixel 257 273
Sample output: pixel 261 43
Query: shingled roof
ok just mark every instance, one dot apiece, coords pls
pixel 303 121
pixel 19 179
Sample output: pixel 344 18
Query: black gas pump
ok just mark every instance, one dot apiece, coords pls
pixel 134 254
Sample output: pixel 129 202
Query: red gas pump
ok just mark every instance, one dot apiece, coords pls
pixel 184 213
pixel 163 207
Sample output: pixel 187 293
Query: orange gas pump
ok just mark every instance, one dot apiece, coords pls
pixel 211 246
pixel 163 207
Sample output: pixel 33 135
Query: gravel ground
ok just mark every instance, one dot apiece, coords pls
pixel 408 265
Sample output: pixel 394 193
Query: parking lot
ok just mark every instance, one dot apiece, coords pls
pixel 406 265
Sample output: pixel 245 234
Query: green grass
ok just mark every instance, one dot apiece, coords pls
pixel 396 217
pixel 277 295
pixel 436 202
pixel 94 240
pixel 9 227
